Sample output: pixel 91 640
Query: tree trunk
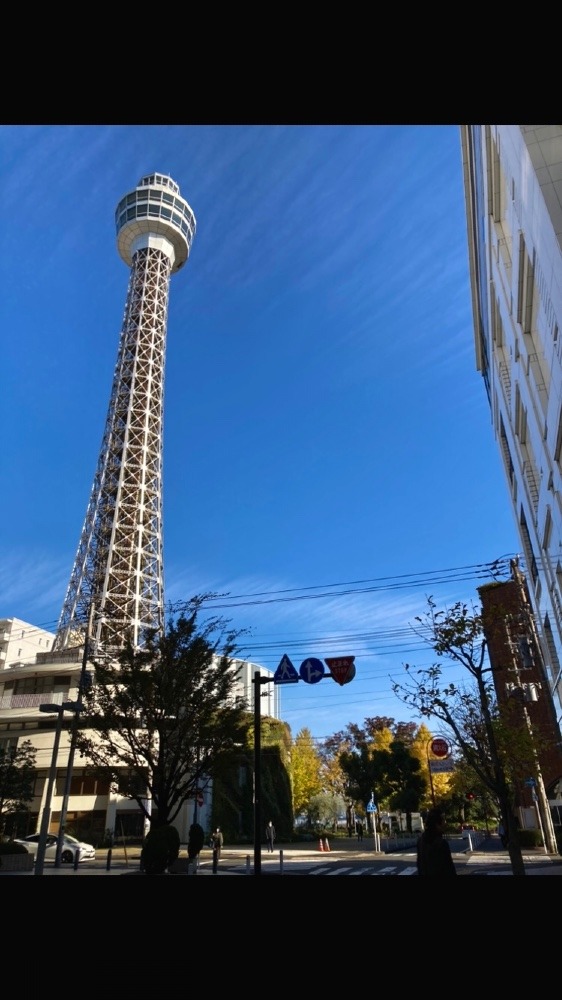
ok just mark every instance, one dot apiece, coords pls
pixel 513 845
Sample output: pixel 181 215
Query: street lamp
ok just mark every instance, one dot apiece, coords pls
pixel 66 706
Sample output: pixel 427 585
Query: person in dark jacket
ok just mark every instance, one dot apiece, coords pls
pixel 433 851
pixel 217 842
pixel 270 836
pixel 195 842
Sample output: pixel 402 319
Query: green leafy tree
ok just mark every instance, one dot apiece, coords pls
pixel 392 773
pixel 334 779
pixel 166 715
pixel 493 748
pixel 17 779
pixel 306 770
pixel 233 798
pixel 324 810
pixel 400 780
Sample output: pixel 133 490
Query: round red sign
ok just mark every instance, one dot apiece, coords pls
pixel 439 747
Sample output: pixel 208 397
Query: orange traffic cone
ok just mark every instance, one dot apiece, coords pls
pixel 326 844
pixel 320 845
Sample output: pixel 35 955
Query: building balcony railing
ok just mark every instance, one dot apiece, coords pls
pixel 32 700
pixel 505 379
pixel 532 484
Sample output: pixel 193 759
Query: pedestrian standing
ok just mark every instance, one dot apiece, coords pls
pixel 359 828
pixel 270 836
pixel 216 844
pixel 433 851
pixel 195 843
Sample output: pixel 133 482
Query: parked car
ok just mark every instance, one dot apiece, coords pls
pixel 70 848
pixel 466 829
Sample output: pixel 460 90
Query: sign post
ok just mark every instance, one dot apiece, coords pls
pixel 440 749
pixel 311 671
pixel 372 810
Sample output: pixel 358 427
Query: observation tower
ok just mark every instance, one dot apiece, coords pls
pixel 118 569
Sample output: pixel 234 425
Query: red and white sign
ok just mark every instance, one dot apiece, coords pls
pixel 439 747
pixel 342 668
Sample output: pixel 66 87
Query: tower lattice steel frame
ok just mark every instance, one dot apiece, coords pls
pixel 118 567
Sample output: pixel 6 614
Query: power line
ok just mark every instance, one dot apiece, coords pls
pixel 478 571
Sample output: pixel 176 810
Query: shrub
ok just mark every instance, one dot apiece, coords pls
pixel 160 849
pixel 530 838
pixel 8 847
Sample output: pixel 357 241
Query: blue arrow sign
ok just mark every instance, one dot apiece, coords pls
pixel 371 807
pixel 312 670
pixel 285 673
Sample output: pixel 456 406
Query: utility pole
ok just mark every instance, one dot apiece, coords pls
pixel 524 693
pixel 73 735
pixel 257 681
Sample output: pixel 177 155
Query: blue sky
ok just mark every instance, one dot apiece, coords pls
pixel 327 439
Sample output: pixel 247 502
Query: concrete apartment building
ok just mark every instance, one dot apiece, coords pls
pixel 513 194
pixel 32 674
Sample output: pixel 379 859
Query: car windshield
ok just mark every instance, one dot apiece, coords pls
pixel 71 839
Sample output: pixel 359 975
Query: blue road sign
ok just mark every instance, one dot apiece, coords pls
pixel 371 807
pixel 312 670
pixel 285 673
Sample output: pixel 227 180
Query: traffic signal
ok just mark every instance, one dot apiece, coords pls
pixel 470 796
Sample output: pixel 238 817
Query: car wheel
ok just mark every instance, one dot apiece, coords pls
pixel 67 857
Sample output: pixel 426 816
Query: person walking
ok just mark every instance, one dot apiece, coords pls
pixel 216 844
pixel 359 828
pixel 217 840
pixel 195 842
pixel 270 836
pixel 433 851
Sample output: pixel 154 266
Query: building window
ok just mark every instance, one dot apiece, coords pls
pixel 525 289
pixel 558 445
pixel 528 548
pixel 9 743
pixel 547 535
pixel 525 652
pixel 520 417
pixel 554 662
pixel 83 783
pixel 33 685
pixel 131 783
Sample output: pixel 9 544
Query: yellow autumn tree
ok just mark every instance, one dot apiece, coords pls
pixel 306 771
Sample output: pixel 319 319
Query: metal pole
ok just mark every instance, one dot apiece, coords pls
pixel 73 735
pixel 196 806
pixel 540 801
pixel 46 817
pixel 538 812
pixel 430 771
pixel 256 680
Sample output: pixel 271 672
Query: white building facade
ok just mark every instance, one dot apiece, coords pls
pixel 31 674
pixel 513 193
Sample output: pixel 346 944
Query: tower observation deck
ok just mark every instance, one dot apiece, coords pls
pixel 118 567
